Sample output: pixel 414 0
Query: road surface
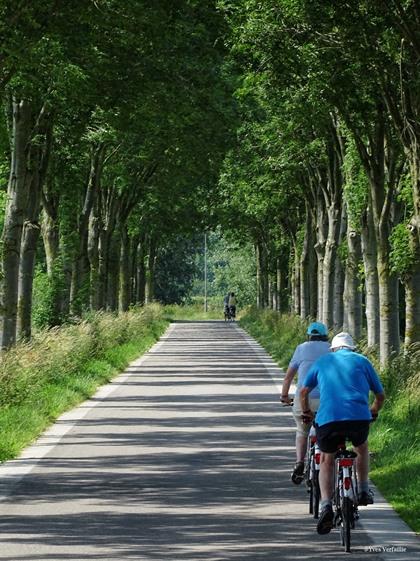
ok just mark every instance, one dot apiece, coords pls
pixel 186 456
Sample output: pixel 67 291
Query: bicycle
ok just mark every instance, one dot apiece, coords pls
pixel 345 494
pixel 226 313
pixel 313 463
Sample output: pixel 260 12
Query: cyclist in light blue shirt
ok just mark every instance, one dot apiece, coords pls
pixel 344 379
pixel 303 358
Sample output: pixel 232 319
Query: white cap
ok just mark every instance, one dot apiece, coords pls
pixel 343 340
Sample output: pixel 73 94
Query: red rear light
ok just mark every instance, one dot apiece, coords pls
pixel 347 462
pixel 347 483
pixel 317 458
pixel 313 439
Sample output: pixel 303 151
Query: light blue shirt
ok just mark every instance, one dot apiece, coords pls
pixel 344 379
pixel 303 358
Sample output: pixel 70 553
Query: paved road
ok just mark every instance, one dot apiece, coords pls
pixel 184 457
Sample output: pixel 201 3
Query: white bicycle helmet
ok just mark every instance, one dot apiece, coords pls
pixel 343 339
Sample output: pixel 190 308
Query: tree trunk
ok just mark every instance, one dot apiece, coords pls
pixel 141 271
pixel 258 276
pixel 388 312
pixel 38 160
pixel 388 283
pixel 277 287
pixel 352 292
pixel 369 254
pixel 134 247
pixel 51 238
pixel 262 275
pixel 305 268
pixel 412 292
pixel 339 277
pixel 93 255
pixel 379 158
pixel 150 271
pixel 113 282
pixel 103 265
pixel 321 234
pixel 296 280
pixel 17 200
pixel 412 309
pixel 31 232
pixel 80 288
pixel 333 213
pixel 125 276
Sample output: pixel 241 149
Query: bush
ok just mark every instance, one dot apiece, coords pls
pixel 278 333
pixel 62 366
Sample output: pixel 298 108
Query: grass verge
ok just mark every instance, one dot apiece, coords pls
pixel 394 438
pixel 193 312
pixel 62 367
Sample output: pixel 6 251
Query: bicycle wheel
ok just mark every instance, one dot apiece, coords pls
pixel 346 523
pixel 315 494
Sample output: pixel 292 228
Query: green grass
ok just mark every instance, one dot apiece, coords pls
pixel 63 367
pixel 278 334
pixel 394 438
pixel 194 312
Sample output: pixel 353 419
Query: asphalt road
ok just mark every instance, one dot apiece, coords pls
pixel 186 456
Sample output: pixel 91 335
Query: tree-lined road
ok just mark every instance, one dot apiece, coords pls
pixel 186 456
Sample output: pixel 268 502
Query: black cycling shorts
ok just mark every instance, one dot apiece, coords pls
pixel 329 436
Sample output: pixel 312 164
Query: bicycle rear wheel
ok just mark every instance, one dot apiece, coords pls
pixel 346 522
pixel 315 494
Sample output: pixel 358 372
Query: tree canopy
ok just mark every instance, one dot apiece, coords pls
pixel 131 128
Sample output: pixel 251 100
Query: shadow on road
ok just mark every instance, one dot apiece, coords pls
pixel 189 459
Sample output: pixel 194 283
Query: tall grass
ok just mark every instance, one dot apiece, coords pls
pixel 194 310
pixel 395 437
pixel 61 367
pixel 279 334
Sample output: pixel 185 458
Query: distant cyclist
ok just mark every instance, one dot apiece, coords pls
pixel 226 304
pixel 232 304
pixel 303 358
pixel 344 379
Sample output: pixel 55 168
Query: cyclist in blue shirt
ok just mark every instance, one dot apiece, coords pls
pixel 344 379
pixel 304 356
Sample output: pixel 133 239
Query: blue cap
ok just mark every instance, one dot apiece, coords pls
pixel 317 328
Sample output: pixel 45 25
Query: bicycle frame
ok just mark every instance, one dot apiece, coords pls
pixel 345 494
pixel 312 472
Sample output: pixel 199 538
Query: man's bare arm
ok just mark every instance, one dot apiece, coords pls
pixel 377 404
pixel 288 379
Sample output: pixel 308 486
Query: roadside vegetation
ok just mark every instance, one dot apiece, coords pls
pixel 62 367
pixel 195 310
pixel 395 437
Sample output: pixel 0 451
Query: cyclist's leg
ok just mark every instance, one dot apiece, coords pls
pixel 326 485
pixel 328 440
pixel 359 439
pixel 326 476
pixel 302 430
pixel 362 463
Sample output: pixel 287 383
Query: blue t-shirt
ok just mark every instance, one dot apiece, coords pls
pixel 344 379
pixel 303 358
